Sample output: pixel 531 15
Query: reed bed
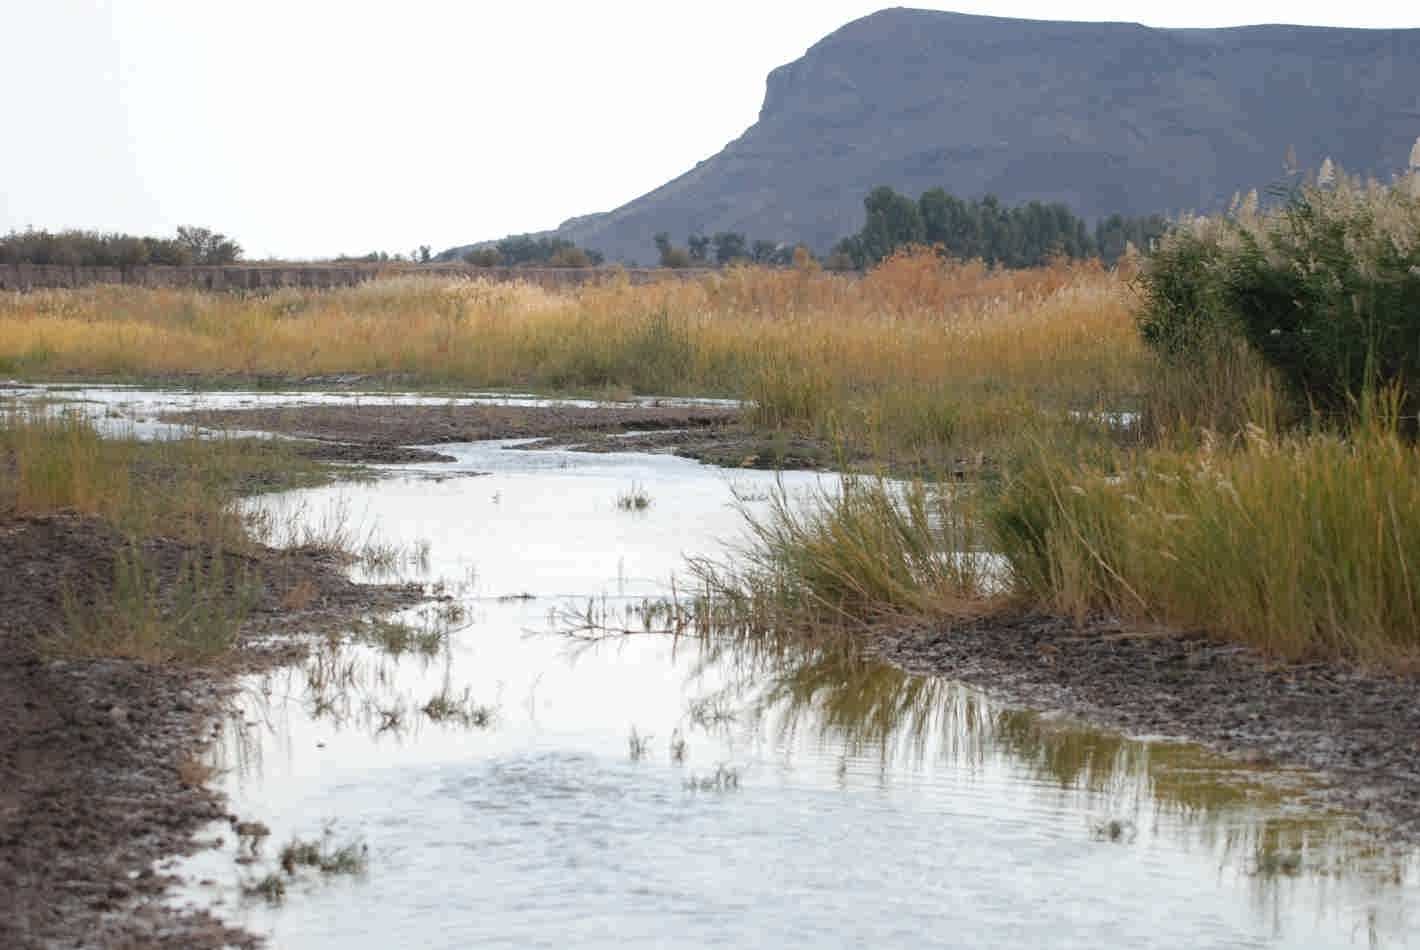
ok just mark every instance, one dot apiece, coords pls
pixel 921 354
pixel 1301 545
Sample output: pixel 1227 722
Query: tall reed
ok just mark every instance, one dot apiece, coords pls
pixel 1302 545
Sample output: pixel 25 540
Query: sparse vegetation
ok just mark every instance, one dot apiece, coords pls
pixel 181 581
pixel 446 706
pixel 634 498
pixel 325 855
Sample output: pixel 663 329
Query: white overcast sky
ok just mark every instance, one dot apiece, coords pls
pixel 307 129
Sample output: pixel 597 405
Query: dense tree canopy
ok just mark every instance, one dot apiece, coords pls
pixel 526 250
pixel 1023 236
pixel 78 248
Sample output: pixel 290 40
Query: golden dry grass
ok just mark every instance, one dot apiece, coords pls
pixel 921 354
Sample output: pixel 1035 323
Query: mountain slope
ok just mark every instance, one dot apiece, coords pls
pixel 1105 117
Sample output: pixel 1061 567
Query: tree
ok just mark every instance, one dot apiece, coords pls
pixel 894 221
pixel 730 246
pixel 671 256
pixel 763 252
pixel 699 246
pixel 206 246
pixel 425 253
pixel 570 257
pixel 483 257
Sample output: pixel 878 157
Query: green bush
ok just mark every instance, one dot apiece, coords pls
pixel 1325 288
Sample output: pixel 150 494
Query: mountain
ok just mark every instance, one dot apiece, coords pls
pixel 1105 117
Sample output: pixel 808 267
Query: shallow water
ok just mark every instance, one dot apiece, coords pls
pixel 818 799
pixel 783 797
pixel 134 409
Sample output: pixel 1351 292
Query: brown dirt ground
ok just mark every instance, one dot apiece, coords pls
pixel 376 425
pixel 1357 728
pixel 95 754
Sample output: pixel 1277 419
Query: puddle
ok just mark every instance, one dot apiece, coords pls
pixel 506 785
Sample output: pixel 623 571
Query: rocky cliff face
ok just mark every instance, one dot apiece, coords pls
pixel 1108 117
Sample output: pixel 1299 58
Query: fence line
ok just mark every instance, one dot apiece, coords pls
pixel 260 277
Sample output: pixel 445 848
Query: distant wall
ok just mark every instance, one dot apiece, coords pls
pixel 262 277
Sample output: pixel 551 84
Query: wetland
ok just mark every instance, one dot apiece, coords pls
pixel 509 728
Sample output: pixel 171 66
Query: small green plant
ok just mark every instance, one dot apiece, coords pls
pixel 323 854
pixel 197 617
pixel 271 888
pixel 397 638
pixel 638 745
pixel 723 779
pixel 445 706
pixel 634 499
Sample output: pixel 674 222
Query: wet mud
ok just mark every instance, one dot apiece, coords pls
pixel 405 425
pixel 99 773
pixel 1358 729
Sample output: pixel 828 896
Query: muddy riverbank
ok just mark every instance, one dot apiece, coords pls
pixel 1358 729
pixel 715 435
pixel 100 771
pixel 411 425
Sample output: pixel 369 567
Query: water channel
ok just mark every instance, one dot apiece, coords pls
pixel 647 790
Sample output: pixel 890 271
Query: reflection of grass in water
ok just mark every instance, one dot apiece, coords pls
pixel 397 638
pixel 723 779
pixel 638 745
pixel 790 681
pixel 271 888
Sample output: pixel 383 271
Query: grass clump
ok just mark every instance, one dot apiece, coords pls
pixel 196 617
pixel 325 855
pixel 634 498
pixel 165 514
pixel 397 638
pixel 871 550
pixel 1301 545
pixel 179 488
pixel 461 709
pixel 271 888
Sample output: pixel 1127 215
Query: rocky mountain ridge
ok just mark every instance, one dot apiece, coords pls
pixel 1105 117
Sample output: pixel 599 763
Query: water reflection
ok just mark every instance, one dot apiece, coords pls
pixel 780 790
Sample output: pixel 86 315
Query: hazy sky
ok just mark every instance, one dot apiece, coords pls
pixel 309 128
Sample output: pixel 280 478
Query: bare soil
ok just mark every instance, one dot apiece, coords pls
pixel 384 426
pixel 1357 728
pixel 373 433
pixel 98 757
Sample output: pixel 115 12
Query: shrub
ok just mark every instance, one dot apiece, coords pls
pixel 483 257
pixel 1324 287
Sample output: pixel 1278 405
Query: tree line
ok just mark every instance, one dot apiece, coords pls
pixel 524 250
pixel 79 248
pixel 722 248
pixel 1026 235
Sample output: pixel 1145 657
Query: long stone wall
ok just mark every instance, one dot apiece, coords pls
pixel 265 277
